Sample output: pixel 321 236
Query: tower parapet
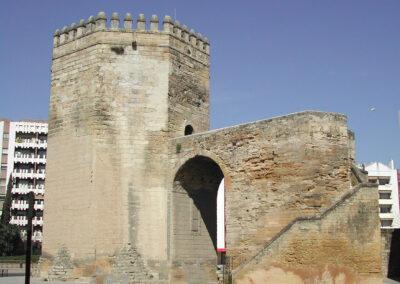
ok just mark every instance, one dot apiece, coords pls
pixel 101 23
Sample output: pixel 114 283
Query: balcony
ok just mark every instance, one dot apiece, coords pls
pixel 19 205
pixel 39 206
pixel 385 188
pixel 23 205
pixel 31 127
pixel 37 236
pixel 37 221
pixel 26 159
pixel 25 144
pixel 386 215
pixel 41 174
pixel 39 190
pixel 29 174
pixel 21 189
pixel 19 220
pixel 23 221
pixel 388 201
pixel 31 143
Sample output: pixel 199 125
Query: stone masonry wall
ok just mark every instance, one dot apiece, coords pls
pixel 70 158
pixel 275 171
pixel 188 92
pixel 110 121
pixel 105 107
pixel 341 246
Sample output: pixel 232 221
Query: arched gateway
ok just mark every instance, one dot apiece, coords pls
pixel 194 205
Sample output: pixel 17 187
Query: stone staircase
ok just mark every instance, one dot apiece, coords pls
pixel 297 222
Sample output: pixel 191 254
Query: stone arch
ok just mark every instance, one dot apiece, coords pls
pixel 188 156
pixel 194 212
pixel 394 257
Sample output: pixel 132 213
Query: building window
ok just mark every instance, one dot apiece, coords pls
pixel 5 150
pixel 384 195
pixel 383 181
pixel 6 135
pixel 386 223
pixel 385 208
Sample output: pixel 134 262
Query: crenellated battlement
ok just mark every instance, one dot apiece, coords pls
pixel 101 23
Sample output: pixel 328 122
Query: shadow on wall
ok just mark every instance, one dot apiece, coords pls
pixel 394 258
pixel 194 221
pixel 199 179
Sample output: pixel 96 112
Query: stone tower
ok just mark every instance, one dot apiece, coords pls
pixel 119 93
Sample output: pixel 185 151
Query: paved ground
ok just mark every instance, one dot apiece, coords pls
pixel 16 276
pixel 20 280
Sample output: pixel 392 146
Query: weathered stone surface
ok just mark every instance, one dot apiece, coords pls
pixel 275 170
pixel 334 247
pixel 116 98
pixel 62 265
pixel 133 200
pixel 129 267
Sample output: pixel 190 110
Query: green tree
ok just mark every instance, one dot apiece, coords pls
pixel 10 237
pixel 6 215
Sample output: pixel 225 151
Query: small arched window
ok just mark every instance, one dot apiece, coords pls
pixel 188 129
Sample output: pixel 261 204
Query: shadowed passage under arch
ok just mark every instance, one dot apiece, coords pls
pixel 195 210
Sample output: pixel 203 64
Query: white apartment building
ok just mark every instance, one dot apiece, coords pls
pixel 24 161
pixel 4 138
pixel 386 178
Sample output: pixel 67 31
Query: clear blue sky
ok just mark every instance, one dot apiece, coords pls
pixel 268 58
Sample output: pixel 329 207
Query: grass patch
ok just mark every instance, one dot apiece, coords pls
pixel 178 148
pixel 17 258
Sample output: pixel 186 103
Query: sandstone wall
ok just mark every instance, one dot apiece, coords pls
pixel 69 187
pixel 108 117
pixel 117 96
pixel 188 94
pixel 341 246
pixel 275 171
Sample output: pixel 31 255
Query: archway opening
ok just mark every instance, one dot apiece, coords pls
pixel 188 129
pixel 394 256
pixel 195 192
